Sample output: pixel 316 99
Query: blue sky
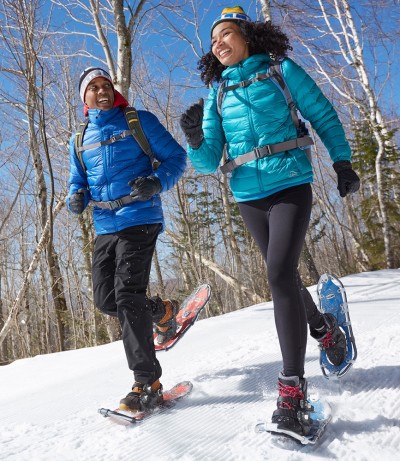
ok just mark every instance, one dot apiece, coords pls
pixel 163 43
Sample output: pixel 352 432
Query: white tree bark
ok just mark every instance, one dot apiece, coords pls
pixel 357 89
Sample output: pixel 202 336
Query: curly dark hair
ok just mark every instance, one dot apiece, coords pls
pixel 263 37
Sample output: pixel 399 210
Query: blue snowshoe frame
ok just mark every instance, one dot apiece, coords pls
pixel 333 300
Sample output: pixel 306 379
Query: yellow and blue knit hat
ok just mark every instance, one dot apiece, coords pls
pixel 235 13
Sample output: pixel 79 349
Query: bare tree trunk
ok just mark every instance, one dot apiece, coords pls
pixel 87 248
pixel 3 352
pixel 159 275
pixel 266 9
pixel 308 261
pixel 45 338
pixel 190 248
pixel 232 281
pixel 231 236
pixel 28 275
pixel 121 69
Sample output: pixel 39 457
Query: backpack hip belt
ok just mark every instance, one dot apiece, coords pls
pixel 266 151
pixel 112 204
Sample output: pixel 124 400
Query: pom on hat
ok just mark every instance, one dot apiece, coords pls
pixel 88 75
pixel 234 13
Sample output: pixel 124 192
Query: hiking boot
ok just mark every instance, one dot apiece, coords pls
pixel 293 408
pixel 143 397
pixel 331 339
pixel 166 326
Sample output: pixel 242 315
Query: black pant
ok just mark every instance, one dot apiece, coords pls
pixel 121 271
pixel 278 224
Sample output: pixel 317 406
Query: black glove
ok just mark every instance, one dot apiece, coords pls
pixel 77 202
pixel 191 123
pixel 144 188
pixel 348 181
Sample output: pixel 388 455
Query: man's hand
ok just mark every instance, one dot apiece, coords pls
pixel 144 188
pixel 77 202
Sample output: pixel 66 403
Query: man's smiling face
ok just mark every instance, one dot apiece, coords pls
pixel 99 94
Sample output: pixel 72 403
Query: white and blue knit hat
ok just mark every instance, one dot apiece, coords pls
pixel 88 75
pixel 235 13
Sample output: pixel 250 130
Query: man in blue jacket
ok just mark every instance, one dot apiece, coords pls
pixel 116 176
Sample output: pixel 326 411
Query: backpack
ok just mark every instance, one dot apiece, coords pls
pixel 303 139
pixel 135 130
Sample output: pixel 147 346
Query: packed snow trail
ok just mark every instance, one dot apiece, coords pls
pixel 49 403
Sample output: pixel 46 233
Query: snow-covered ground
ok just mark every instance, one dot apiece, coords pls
pixel 48 404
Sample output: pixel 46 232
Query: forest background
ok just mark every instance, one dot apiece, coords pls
pixel 151 49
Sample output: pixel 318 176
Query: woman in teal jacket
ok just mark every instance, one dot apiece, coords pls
pixel 271 176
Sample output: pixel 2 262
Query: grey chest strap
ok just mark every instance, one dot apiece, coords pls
pixel 113 139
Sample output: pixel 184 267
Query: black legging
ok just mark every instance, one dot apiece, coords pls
pixel 278 224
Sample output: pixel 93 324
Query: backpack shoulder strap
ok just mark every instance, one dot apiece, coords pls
pixel 132 118
pixel 79 141
pixel 275 71
pixel 220 96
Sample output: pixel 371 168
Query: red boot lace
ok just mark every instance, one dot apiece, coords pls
pixel 289 391
pixel 328 342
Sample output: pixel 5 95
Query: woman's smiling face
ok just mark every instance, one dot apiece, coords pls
pixel 228 44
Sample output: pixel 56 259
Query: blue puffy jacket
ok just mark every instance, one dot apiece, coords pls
pixel 259 115
pixel 111 167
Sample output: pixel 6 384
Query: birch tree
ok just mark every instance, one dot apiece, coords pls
pixel 333 33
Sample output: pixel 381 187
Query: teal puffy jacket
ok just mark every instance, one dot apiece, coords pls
pixel 259 115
